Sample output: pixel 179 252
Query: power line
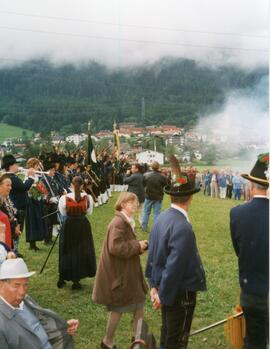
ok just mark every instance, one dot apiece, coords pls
pixel 133 40
pixel 132 25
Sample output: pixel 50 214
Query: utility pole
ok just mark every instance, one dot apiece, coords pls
pixel 143 110
pixel 155 145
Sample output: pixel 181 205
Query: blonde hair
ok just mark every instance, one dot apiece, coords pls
pixel 124 198
pixel 32 162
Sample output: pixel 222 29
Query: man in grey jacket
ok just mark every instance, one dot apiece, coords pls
pixel 23 323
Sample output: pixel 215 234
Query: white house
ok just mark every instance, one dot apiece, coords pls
pixel 148 156
pixel 197 155
pixel 77 138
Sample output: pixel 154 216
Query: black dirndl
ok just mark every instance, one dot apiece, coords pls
pixel 77 258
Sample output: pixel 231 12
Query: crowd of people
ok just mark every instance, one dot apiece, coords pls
pixel 60 191
pixel 224 184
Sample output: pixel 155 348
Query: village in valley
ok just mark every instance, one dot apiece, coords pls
pixel 143 144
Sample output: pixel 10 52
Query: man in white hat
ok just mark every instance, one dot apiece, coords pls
pixel 23 323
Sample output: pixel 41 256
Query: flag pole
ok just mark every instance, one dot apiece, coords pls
pixel 88 143
pixel 114 169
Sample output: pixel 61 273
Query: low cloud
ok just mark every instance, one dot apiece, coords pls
pixel 124 32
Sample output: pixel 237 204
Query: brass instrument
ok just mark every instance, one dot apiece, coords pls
pixel 25 170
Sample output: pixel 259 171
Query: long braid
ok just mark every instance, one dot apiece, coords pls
pixel 77 183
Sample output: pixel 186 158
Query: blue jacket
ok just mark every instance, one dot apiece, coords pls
pixel 249 225
pixel 19 191
pixel 236 181
pixel 174 264
pixel 222 181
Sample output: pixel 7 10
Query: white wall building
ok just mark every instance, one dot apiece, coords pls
pixel 77 138
pixel 148 156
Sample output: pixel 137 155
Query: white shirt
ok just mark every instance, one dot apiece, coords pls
pixel 261 196
pixel 11 306
pixel 181 210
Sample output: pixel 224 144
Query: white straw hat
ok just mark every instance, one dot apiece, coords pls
pixel 14 269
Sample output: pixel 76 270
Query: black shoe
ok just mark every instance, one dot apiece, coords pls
pixel 48 243
pixel 32 245
pixel 19 255
pixel 104 346
pixel 76 286
pixel 143 229
pixel 34 248
pixel 60 283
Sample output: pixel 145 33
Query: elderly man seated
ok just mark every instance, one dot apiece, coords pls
pixel 23 323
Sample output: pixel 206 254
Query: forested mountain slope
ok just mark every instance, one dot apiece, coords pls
pixel 40 96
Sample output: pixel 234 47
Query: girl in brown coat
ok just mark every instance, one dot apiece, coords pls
pixel 119 282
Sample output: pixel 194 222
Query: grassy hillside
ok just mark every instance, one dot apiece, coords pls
pixel 8 131
pixel 210 219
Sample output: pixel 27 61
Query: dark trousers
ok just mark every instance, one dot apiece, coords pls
pixel 256 314
pixel 229 191
pixel 176 321
pixel 20 215
pixel 51 220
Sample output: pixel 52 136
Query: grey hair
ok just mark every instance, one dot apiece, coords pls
pixel 259 186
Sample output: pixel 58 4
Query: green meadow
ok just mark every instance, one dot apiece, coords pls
pixel 210 220
pixel 8 131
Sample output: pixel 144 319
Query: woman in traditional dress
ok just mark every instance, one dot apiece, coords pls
pixel 119 282
pixel 35 224
pixel 77 258
pixel 5 231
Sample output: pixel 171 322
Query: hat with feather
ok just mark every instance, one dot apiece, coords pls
pixel 260 172
pixel 181 185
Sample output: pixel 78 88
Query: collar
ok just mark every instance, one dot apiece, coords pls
pixel 261 197
pixel 129 219
pixel 11 306
pixel 180 209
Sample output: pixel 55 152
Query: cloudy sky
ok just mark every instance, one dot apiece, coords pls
pixel 123 32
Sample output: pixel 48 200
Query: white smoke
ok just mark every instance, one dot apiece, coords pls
pixel 242 122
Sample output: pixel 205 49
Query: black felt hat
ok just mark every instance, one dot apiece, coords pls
pixel 8 160
pixel 181 185
pixel 70 160
pixel 55 158
pixel 62 159
pixel 48 165
pixel 260 172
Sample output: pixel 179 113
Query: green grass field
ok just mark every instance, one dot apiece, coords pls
pixel 210 220
pixel 8 131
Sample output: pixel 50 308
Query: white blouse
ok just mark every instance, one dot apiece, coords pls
pixel 62 203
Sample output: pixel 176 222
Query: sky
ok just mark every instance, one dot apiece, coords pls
pixel 124 32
